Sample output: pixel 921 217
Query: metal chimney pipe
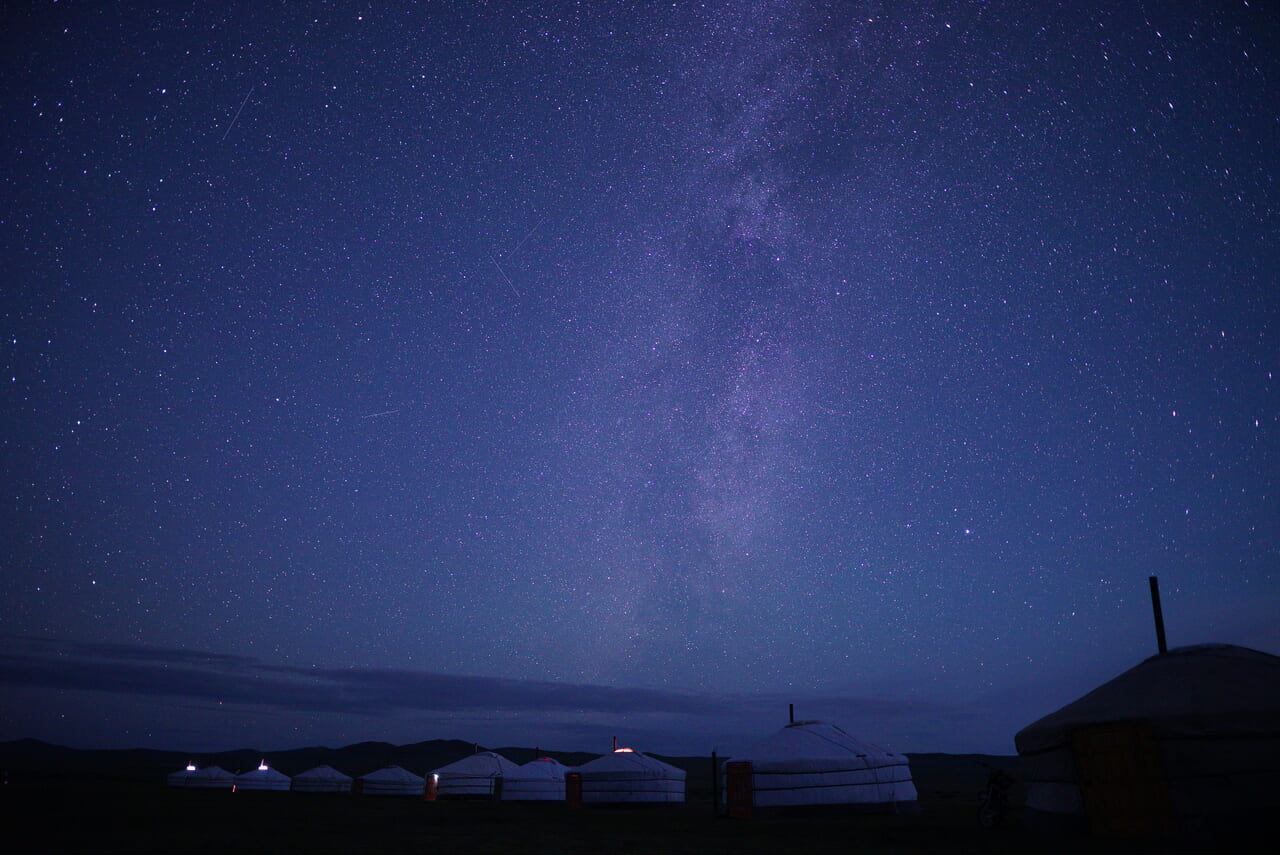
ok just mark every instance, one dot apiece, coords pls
pixel 791 712
pixel 1155 608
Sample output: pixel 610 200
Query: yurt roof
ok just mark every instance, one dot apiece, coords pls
pixel 262 773
pixel 542 769
pixel 483 764
pixel 212 772
pixel 1216 689
pixel 625 760
pixel 322 773
pixel 813 743
pixel 392 774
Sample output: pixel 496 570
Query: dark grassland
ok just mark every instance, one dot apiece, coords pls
pixel 82 815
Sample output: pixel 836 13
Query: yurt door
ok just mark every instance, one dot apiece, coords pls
pixel 739 796
pixel 1123 782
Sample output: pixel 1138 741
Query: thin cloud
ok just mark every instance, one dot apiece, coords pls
pixel 158 672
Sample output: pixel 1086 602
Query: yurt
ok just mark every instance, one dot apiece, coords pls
pixel 473 777
pixel 1185 743
pixel 263 778
pixel 626 776
pixel 813 764
pixel 322 779
pixel 540 780
pixel 182 777
pixel 392 781
pixel 211 778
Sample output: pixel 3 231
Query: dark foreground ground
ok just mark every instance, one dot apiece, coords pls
pixel 121 816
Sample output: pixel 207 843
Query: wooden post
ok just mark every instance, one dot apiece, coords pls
pixel 715 783
pixel 1155 607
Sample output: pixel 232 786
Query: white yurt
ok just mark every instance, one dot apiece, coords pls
pixel 473 777
pixel 392 781
pixel 263 778
pixel 813 764
pixel 182 777
pixel 626 775
pixel 322 779
pixel 1186 742
pixel 540 780
pixel 211 778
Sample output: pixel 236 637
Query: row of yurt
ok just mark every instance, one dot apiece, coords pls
pixel 813 764
pixel 217 778
pixel 1185 743
pixel 623 776
pixel 391 781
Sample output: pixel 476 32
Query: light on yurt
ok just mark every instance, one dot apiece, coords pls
pixel 191 767
pixel 624 751
pixel 262 767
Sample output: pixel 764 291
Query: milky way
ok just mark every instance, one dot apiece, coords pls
pixel 706 356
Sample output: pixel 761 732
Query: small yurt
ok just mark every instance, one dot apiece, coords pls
pixel 626 776
pixel 473 777
pixel 1185 743
pixel 182 777
pixel 322 779
pixel 263 778
pixel 392 781
pixel 211 778
pixel 540 780
pixel 813 764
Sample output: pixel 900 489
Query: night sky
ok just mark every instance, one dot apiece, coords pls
pixel 530 373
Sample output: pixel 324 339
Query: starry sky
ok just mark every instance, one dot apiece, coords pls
pixel 530 373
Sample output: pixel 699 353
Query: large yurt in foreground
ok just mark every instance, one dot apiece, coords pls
pixel 473 777
pixel 627 776
pixel 1186 742
pixel 813 764
pixel 322 779
pixel 540 780
pixel 392 781
pixel 263 778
